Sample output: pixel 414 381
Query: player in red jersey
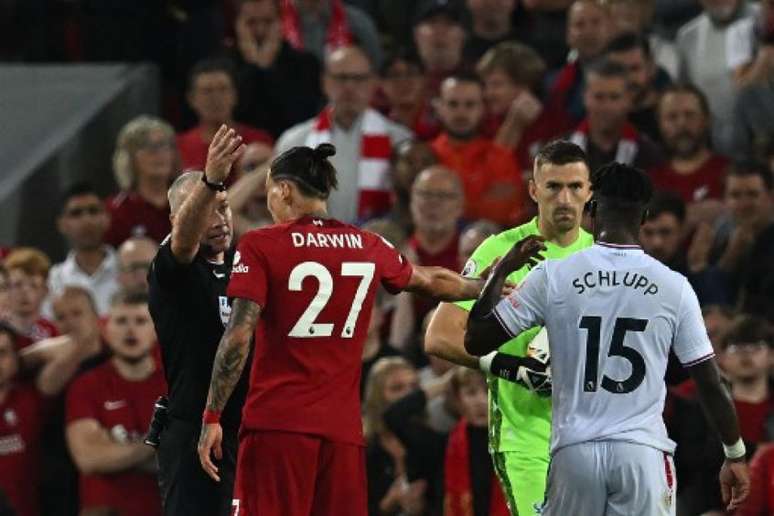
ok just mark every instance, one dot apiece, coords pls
pixel 312 280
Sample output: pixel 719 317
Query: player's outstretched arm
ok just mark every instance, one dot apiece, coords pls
pixel 485 333
pixel 230 360
pixel 443 284
pixel 191 219
pixel 717 404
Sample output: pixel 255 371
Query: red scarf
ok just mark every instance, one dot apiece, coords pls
pixel 627 149
pixel 459 493
pixel 373 176
pixel 338 34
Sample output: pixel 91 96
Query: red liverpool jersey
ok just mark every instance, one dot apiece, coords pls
pixel 124 408
pixel 315 280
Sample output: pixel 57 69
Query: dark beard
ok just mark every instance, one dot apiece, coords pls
pixel 462 135
pixel 685 152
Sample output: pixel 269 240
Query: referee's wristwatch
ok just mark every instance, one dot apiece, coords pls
pixel 215 187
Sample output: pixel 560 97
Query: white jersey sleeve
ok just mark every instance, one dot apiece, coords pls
pixel 525 307
pixel 691 342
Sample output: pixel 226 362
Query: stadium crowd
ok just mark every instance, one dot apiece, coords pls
pixel 436 110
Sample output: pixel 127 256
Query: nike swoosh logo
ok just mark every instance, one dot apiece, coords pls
pixel 114 405
pixel 219 276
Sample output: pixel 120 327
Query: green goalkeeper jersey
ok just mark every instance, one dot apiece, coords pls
pixel 519 420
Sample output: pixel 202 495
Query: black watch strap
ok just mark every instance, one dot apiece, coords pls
pixel 215 187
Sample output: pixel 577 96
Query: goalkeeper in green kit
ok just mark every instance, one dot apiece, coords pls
pixel 519 373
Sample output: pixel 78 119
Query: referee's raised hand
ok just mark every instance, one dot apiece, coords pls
pixel 225 148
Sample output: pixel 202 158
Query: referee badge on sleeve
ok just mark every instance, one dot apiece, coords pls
pixel 225 309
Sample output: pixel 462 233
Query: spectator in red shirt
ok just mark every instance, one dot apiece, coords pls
pixel 693 170
pixel 646 80
pixel 746 359
pixel 490 175
pixel 589 28
pixel 403 92
pixel 27 274
pixel 606 134
pixel 436 207
pixel 108 412
pixel 760 501
pixel 212 94
pixel 21 424
pixel 439 38
pixel 470 485
pixel 513 75
pixel 144 164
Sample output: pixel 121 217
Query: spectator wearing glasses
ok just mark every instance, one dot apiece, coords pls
pixel 212 94
pixel 134 259
pixel 91 263
pixel 437 200
pixel 746 359
pixel 363 137
pixel 144 163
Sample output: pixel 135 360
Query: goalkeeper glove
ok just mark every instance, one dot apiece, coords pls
pixel 528 372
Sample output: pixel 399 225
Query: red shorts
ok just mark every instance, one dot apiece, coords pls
pixel 287 474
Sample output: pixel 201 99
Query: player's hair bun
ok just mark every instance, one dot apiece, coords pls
pixel 324 151
pixel 308 168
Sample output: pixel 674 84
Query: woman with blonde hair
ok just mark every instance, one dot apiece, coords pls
pixel 389 379
pixel 145 163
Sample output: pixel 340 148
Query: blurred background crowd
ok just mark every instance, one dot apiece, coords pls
pixel 445 103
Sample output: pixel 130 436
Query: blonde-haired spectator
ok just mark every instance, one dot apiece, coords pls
pixel 144 163
pixel 27 280
pixel 390 379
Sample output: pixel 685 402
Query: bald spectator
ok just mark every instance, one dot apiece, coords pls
pixel 27 278
pixel 134 258
pixel 275 81
pixel 711 47
pixel 589 28
pixel 693 170
pixel 473 236
pixel 409 158
pixel 144 163
pixel 606 134
pixel 90 263
pixel 439 38
pixel 437 200
pixel 321 26
pixel 490 25
pixel 212 94
pixel 646 80
pixel 363 138
pixel 489 172
pixel 513 74
pixel 636 16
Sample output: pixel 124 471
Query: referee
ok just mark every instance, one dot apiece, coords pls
pixel 188 303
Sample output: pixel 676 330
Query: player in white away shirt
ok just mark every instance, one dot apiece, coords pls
pixel 612 314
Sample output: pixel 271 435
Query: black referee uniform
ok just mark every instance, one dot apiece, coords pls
pixel 190 309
